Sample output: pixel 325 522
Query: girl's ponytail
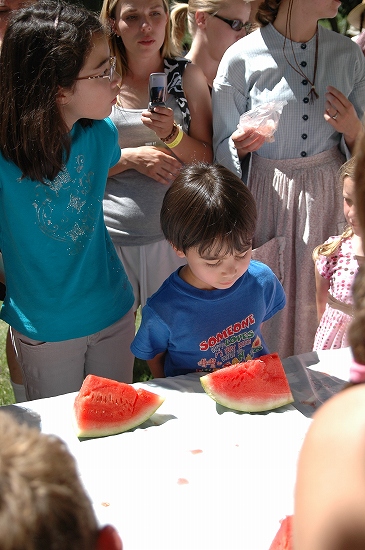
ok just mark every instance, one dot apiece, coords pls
pixel 179 25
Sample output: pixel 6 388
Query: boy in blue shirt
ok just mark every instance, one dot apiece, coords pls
pixel 208 313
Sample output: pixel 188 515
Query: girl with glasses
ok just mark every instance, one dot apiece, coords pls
pixel 213 25
pixel 292 57
pixel 68 300
pixel 155 144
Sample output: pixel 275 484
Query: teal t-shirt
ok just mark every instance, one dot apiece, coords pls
pixel 64 279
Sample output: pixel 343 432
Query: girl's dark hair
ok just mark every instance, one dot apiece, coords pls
pixel 44 49
pixel 267 12
pixel 208 207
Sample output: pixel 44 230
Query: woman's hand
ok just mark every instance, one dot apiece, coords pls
pixel 247 141
pixel 341 115
pixel 160 120
pixel 156 163
pixel 195 145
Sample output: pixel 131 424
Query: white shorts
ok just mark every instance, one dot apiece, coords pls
pixel 55 368
pixel 147 267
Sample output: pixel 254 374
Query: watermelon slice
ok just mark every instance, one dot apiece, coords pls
pixel 283 539
pixel 106 407
pixel 252 386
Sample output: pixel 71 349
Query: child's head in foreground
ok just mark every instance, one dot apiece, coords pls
pixel 43 504
pixel 209 216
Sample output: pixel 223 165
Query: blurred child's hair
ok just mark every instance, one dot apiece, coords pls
pixel 347 170
pixel 208 208
pixel 43 504
pixel 44 49
pixel 356 330
pixel 117 48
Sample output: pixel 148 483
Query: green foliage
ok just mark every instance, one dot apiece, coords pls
pixel 347 6
pixel 6 392
pixel 141 372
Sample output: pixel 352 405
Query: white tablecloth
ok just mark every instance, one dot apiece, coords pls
pixel 197 476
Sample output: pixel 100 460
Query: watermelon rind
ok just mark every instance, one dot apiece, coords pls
pixel 94 418
pixel 220 385
pixel 246 405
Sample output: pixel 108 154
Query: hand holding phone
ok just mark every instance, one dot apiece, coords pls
pixel 157 90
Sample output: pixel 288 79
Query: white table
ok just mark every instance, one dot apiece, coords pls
pixel 196 476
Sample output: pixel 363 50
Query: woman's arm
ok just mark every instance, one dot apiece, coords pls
pixel 346 121
pixel 156 365
pixel 322 288
pixel 227 107
pixel 197 145
pixel 231 145
pixel 156 163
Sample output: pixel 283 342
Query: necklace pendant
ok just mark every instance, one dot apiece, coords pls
pixel 313 94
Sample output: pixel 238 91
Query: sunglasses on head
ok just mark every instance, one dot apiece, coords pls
pixel 235 24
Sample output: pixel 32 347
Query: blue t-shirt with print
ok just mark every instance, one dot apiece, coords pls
pixel 64 279
pixel 202 330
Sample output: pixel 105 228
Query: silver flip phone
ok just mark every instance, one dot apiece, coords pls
pixel 157 90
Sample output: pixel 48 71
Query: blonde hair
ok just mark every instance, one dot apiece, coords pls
pixel 183 17
pixel 116 45
pixel 42 501
pixel 347 170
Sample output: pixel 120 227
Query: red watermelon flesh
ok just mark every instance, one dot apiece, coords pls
pixel 283 539
pixel 253 386
pixel 106 407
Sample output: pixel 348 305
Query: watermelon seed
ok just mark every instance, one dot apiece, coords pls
pixel 182 481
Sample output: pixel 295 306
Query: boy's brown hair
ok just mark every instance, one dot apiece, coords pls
pixel 207 207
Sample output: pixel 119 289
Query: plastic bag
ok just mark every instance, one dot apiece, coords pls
pixel 264 118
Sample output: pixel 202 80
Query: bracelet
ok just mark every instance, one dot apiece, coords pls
pixel 173 134
pixel 177 140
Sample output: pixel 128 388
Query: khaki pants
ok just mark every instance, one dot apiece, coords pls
pixel 55 368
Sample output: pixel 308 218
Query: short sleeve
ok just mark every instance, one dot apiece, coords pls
pixel 325 264
pixel 152 337
pixel 116 152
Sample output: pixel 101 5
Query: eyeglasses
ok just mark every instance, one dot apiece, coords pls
pixel 108 73
pixel 235 24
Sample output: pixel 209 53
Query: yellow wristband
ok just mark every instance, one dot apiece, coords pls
pixel 177 140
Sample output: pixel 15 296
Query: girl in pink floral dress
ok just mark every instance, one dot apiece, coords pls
pixel 337 263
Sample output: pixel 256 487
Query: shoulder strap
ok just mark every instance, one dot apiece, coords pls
pixel 174 68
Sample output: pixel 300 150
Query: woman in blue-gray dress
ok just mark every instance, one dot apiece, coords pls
pixel 321 75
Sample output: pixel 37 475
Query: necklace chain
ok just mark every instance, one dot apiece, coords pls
pixel 312 92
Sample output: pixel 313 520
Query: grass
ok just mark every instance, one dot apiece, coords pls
pixel 141 372
pixel 6 391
